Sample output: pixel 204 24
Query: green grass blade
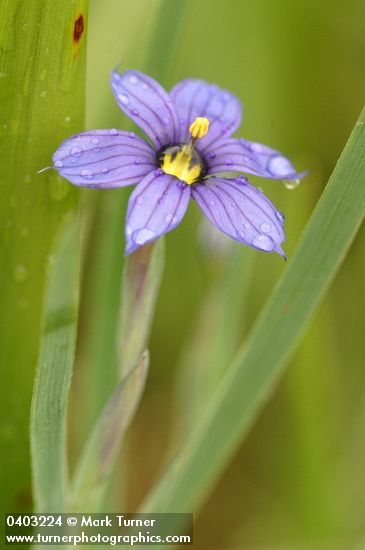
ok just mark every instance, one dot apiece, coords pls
pixel 53 377
pixel 101 450
pixel 42 74
pixel 258 365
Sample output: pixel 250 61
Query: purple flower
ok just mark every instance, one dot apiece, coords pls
pixel 189 131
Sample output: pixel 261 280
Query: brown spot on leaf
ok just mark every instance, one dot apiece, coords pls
pixel 78 29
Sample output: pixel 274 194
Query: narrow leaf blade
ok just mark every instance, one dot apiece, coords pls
pixel 252 377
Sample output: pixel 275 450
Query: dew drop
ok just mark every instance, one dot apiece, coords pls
pixel 20 273
pixel 280 166
pixel 169 217
pixel 135 112
pixel 210 155
pixel 143 235
pixel 181 184
pixel 132 135
pixel 87 174
pixel 229 162
pixel 145 87
pixel 280 216
pixel 76 152
pixel 291 184
pixel 113 132
pixel 96 149
pixel 105 170
pixel 139 200
pixel 133 79
pixel 67 121
pixel 43 93
pixel 123 98
pixel 158 172
pixel 241 179
pixel 247 226
pixel 137 162
pixel 95 141
pixel 78 138
pixel 212 203
pixel 58 164
pixel 166 121
pixel 265 227
pixel 128 231
pixel 257 148
pixel 182 121
pixel 264 242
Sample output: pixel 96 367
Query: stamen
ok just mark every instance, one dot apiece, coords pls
pixel 199 128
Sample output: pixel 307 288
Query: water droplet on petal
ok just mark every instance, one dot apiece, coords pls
pixel 166 121
pixel 58 164
pixel 137 162
pixel 241 179
pixel 78 138
pixel 113 132
pixel 87 174
pixel 280 216
pixel 139 199
pixel 132 135
pixel 210 155
pixel 280 166
pixel 257 148
pixel 181 184
pixel 229 162
pixel 76 152
pixel 291 184
pixel 169 218
pixel 105 170
pixel 212 203
pixel 264 242
pixel 123 98
pixel 135 112
pixel 247 226
pixel 158 172
pixel 133 79
pixel 143 235
pixel 265 227
pixel 20 274
pixel 145 87
pixel 182 121
pixel 95 140
pixel 128 231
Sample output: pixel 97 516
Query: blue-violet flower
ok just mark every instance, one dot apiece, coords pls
pixel 190 145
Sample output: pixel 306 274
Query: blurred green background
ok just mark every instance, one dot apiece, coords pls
pixel 298 481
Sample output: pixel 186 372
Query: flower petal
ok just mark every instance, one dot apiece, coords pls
pixel 240 155
pixel 147 104
pixel 242 212
pixel 156 206
pixel 193 98
pixel 104 158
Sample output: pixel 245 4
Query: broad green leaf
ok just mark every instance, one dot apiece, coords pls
pixel 95 466
pixel 42 72
pixel 257 367
pixel 53 376
pixel 141 282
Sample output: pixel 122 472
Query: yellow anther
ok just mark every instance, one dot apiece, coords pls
pixel 199 128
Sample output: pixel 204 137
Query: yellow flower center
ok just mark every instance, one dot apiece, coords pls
pixel 183 161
